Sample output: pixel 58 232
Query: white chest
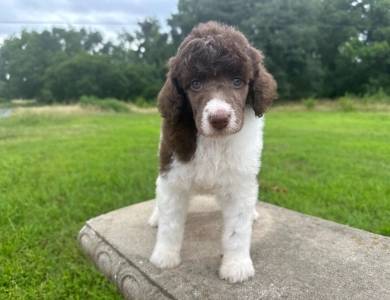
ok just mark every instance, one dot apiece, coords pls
pixel 219 161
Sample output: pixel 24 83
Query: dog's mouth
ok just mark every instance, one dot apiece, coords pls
pixel 219 119
pixel 219 125
pixel 219 135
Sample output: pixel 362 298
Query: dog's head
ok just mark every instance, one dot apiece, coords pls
pixel 214 74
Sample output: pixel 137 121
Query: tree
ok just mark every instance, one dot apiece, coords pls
pixel 320 48
pixel 312 48
pixel 83 74
pixel 147 52
pixel 284 30
pixel 23 62
pixel 25 59
pixel 287 33
pixel 150 45
pixel 190 13
pixel 366 54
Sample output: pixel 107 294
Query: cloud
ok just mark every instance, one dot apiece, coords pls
pixel 107 16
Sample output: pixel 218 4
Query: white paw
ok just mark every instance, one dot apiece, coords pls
pixel 165 259
pixel 255 214
pixel 237 270
pixel 153 220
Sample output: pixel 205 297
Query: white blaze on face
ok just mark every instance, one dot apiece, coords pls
pixel 215 107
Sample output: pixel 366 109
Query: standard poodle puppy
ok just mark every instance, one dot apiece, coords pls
pixel 212 103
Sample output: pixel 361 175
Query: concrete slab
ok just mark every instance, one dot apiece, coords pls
pixel 295 256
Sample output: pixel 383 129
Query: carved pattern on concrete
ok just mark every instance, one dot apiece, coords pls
pixel 129 281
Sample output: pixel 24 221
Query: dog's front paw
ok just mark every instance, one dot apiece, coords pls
pixel 153 220
pixel 236 270
pixel 165 259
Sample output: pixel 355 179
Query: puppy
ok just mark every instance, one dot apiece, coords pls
pixel 212 103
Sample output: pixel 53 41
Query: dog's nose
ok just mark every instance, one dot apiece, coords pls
pixel 219 121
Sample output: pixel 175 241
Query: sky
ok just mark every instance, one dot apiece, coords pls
pixel 107 16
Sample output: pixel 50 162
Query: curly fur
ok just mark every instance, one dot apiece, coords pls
pixel 211 141
pixel 211 49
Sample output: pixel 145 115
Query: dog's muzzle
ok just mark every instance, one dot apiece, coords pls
pixel 219 121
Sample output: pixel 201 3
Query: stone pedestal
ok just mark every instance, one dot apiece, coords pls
pixel 295 256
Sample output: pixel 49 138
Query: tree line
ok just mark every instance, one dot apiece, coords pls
pixel 313 48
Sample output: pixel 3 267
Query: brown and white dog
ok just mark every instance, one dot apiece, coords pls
pixel 212 105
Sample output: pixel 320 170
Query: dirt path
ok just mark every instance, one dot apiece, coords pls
pixel 67 109
pixel 71 109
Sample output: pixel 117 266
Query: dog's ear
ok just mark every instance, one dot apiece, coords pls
pixel 262 87
pixel 170 100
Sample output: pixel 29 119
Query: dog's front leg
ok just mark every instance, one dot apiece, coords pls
pixel 237 205
pixel 172 202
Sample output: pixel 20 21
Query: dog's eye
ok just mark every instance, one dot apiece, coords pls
pixel 196 85
pixel 237 82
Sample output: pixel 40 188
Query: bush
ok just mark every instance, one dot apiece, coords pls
pixel 46 96
pixel 108 104
pixel 83 74
pixel 309 103
pixel 142 102
pixel 379 97
pixel 346 103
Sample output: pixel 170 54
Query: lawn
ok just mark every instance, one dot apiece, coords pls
pixel 57 171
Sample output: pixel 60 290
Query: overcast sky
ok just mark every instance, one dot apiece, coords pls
pixel 107 16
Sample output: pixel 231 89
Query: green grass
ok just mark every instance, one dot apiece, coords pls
pixel 56 172
pixel 332 165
